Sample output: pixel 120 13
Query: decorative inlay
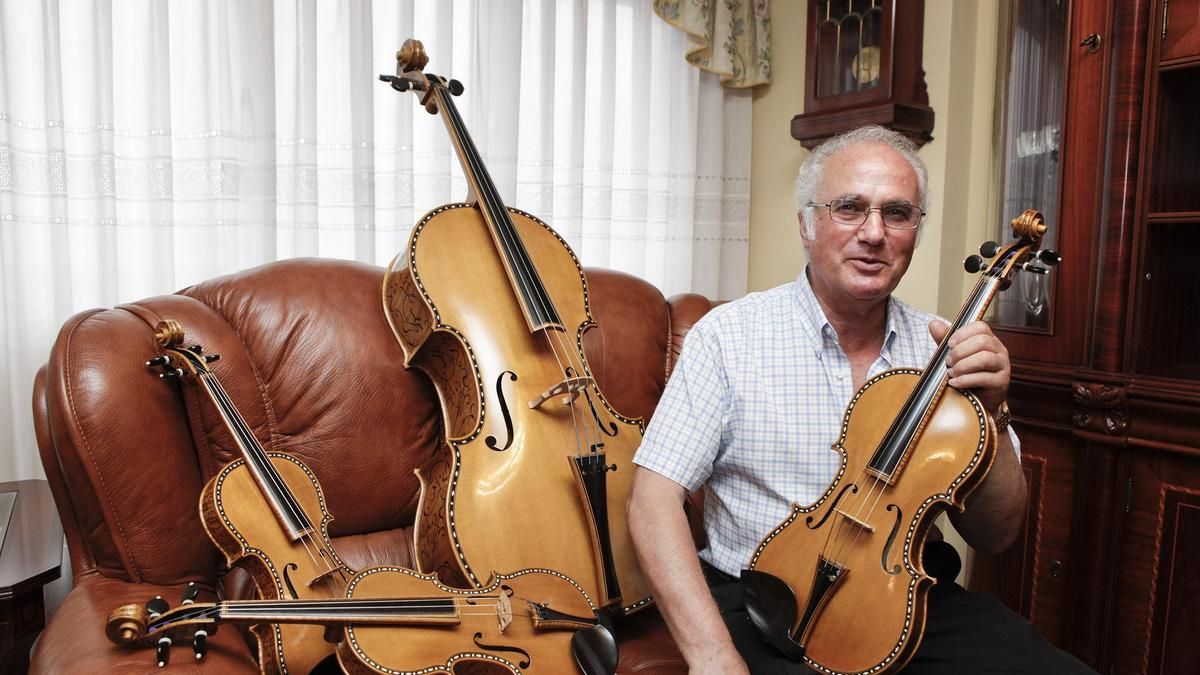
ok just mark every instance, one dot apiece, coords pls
pixel 1102 408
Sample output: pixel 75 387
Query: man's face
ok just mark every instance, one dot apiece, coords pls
pixel 863 263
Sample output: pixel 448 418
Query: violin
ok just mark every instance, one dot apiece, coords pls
pixel 840 584
pixel 394 620
pixel 493 306
pixel 256 511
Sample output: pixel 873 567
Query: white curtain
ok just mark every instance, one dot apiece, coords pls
pixel 146 146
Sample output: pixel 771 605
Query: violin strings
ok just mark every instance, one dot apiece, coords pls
pixel 254 451
pixel 980 297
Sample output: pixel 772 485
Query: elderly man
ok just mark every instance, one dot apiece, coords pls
pixel 757 399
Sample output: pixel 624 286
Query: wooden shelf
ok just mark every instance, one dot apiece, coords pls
pixel 1174 217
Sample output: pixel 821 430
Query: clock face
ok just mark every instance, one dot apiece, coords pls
pixel 864 67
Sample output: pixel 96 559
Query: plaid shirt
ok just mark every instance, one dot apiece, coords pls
pixel 754 406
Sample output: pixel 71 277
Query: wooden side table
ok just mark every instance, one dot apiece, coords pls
pixel 30 558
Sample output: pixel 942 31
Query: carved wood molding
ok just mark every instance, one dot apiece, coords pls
pixel 1101 408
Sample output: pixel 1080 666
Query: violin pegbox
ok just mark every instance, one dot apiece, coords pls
pixel 1022 254
pixel 176 360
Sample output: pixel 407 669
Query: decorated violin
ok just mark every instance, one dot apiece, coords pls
pixel 394 620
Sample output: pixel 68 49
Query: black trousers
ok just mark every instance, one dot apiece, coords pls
pixel 965 633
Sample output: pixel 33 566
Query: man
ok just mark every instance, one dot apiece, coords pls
pixel 757 399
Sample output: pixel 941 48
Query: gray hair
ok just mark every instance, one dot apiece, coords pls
pixel 812 171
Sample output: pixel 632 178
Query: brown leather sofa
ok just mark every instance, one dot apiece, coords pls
pixel 308 358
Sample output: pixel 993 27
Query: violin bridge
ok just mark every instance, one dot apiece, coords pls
pixel 855 520
pixel 569 389
pixel 504 612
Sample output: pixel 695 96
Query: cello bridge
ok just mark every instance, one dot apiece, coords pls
pixel 569 389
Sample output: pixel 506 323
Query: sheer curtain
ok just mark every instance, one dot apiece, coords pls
pixel 145 146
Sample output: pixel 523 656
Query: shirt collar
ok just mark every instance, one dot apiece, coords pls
pixel 818 330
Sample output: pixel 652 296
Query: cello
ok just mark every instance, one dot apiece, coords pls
pixel 840 584
pixel 493 305
pixel 394 620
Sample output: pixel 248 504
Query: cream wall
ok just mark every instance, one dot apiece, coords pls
pixel 960 50
pixel 960 70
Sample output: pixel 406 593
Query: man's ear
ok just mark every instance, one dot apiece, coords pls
pixel 803 236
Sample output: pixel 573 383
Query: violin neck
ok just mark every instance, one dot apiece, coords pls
pixel 409 611
pixel 535 301
pixel 287 509
pixel 889 456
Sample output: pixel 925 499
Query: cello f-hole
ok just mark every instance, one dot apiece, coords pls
pixel 490 441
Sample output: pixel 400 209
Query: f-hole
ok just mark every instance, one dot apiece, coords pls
pixel 887 548
pixel 287 579
pixel 490 441
pixel 504 648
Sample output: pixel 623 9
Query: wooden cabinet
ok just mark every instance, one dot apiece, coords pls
pixel 1106 390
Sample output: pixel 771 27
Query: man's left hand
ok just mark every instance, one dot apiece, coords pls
pixel 977 361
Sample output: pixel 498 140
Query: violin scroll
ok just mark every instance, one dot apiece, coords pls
pixel 1030 225
pixel 126 625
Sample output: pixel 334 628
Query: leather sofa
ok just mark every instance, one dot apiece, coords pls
pixel 308 358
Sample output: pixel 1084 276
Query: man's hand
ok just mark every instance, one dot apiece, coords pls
pixel 977 361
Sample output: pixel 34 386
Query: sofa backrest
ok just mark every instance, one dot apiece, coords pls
pixel 309 360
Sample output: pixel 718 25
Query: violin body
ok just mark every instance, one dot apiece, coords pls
pixel 240 522
pixel 529 644
pixel 507 496
pixel 869 619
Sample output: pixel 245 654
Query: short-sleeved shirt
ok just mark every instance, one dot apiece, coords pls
pixel 754 406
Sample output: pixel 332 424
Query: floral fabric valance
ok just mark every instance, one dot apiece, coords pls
pixel 734 36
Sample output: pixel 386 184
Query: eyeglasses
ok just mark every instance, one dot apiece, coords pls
pixel 897 215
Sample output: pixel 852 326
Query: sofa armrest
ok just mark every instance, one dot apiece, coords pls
pixel 75 642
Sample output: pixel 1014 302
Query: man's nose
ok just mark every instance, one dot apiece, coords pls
pixel 872 230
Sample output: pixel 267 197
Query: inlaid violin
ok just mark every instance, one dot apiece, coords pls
pixel 266 513
pixel 394 620
pixel 840 584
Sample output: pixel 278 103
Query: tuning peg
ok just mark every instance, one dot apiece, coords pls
pixel 1030 267
pixel 161 360
pixel 989 249
pixel 209 358
pixel 190 593
pixel 163 651
pixel 455 87
pixel 156 607
pixel 196 349
pixel 174 372
pixel 1049 257
pixel 973 264
pixel 200 644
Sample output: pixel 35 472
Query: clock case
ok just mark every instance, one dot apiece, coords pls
pixel 897 99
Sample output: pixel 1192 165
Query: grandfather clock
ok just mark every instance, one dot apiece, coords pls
pixel 864 66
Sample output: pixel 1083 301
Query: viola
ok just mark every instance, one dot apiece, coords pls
pixel 256 511
pixel 840 584
pixel 493 305
pixel 394 620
